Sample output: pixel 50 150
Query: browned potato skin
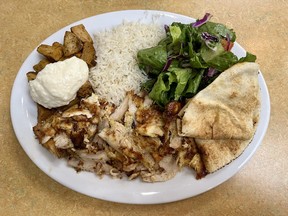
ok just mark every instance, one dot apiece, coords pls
pixel 54 52
pixel 57 44
pixel 85 91
pixel 64 58
pixel 72 44
pixel 41 65
pixel 81 33
pixel 79 54
pixel 89 54
pixel 31 75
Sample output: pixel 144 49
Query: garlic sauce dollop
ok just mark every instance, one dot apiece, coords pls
pixel 57 84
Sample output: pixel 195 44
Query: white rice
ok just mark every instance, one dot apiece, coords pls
pixel 117 70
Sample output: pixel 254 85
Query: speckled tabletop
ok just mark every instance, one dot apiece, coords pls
pixel 260 188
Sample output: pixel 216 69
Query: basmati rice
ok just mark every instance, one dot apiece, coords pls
pixel 117 70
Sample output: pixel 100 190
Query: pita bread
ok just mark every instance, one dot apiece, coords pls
pixel 217 153
pixel 227 109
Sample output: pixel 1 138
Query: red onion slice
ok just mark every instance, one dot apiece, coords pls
pixel 202 21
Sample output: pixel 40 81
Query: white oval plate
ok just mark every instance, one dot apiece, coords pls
pixel 184 185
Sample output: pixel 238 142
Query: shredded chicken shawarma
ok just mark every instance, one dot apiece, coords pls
pixel 135 139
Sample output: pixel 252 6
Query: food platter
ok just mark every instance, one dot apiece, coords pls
pixel 184 185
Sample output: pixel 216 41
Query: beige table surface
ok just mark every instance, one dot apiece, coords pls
pixel 260 188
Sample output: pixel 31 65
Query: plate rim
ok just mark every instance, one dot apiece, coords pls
pixel 137 199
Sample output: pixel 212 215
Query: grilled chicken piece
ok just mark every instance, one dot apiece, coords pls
pixel 92 161
pixel 171 136
pixel 138 112
pixel 91 165
pixel 130 104
pixel 119 138
pixel 62 141
pixel 149 122
pixel 170 169
pixel 73 128
pixel 50 145
pixel 121 109
pixel 129 144
pixel 188 155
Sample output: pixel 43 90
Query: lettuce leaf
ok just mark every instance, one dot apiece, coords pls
pixel 193 85
pixel 175 84
pixel 182 76
pixel 218 58
pixel 248 58
pixel 160 91
pixel 152 59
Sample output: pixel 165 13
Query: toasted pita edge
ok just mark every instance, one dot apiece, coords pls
pixel 217 154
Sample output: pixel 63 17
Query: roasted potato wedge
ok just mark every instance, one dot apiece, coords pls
pixel 31 75
pixel 81 33
pixel 89 54
pixel 85 91
pixel 72 44
pixel 57 44
pixel 78 55
pixel 41 65
pixel 54 52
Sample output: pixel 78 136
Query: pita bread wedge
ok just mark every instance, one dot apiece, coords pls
pixel 215 154
pixel 227 109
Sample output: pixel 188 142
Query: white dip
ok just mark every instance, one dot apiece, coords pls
pixel 57 84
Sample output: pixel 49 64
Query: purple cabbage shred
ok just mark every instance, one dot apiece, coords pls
pixel 202 21
pixel 208 37
pixel 211 72
pixel 166 27
pixel 168 63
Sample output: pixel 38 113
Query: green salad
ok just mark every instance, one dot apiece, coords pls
pixel 188 59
